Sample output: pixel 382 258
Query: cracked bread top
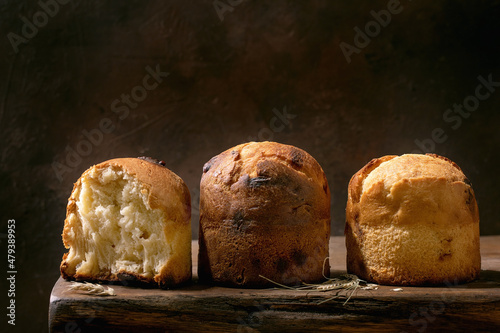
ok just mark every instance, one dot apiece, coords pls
pixel 263 176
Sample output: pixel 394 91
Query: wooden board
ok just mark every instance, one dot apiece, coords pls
pixel 469 307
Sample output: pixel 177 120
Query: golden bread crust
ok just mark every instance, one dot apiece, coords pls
pixel 165 192
pixel 412 220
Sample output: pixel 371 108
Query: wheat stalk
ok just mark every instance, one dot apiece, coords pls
pixel 349 282
pixel 92 289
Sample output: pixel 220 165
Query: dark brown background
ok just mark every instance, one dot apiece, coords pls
pixel 225 79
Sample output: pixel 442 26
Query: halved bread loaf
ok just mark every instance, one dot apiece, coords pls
pixel 128 219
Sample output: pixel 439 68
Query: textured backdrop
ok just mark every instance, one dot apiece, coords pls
pixel 181 81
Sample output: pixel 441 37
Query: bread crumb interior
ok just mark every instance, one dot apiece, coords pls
pixel 114 230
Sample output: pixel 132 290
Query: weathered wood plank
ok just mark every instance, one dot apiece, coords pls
pixel 210 308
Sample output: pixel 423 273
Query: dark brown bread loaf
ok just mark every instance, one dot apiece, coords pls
pixel 264 210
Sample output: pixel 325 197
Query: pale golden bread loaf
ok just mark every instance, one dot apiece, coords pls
pixel 412 220
pixel 128 219
pixel 264 210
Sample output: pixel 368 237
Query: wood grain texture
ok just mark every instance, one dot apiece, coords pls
pixel 474 306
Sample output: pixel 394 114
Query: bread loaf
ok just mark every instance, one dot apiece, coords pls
pixel 128 219
pixel 264 210
pixel 412 220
